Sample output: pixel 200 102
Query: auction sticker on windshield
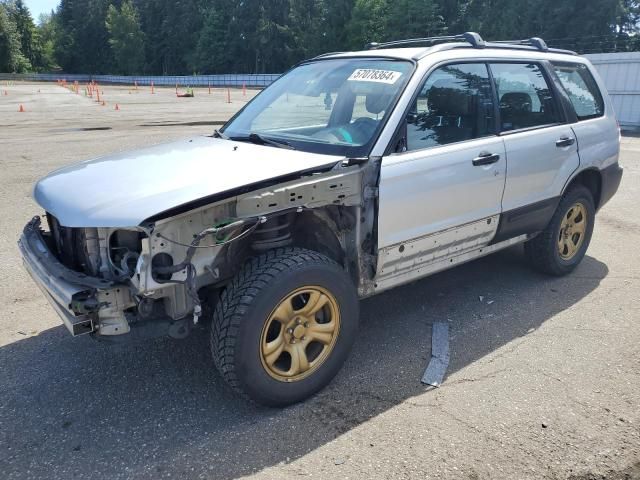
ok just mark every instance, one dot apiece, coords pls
pixel 379 76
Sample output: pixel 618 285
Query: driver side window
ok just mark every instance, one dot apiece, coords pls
pixel 455 104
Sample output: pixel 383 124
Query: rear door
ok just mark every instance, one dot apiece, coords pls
pixel 541 147
pixel 595 124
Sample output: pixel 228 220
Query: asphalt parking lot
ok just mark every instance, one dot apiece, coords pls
pixel 544 380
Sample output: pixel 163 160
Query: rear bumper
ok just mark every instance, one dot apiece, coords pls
pixel 611 178
pixel 69 292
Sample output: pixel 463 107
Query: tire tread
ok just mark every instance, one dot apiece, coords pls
pixel 540 250
pixel 236 300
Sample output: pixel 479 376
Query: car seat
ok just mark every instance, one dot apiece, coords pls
pixel 515 110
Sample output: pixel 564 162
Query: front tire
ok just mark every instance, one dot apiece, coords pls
pixel 560 247
pixel 284 326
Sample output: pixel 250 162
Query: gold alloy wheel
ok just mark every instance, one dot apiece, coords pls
pixel 572 231
pixel 300 334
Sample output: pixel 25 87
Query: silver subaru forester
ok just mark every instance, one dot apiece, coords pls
pixel 353 173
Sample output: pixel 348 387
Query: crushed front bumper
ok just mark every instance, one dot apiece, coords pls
pixel 72 294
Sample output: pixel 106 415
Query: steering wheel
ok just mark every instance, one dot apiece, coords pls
pixel 340 134
pixel 358 132
pixel 366 122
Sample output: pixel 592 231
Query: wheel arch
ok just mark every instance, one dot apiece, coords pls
pixel 591 178
pixel 318 230
pixel 325 230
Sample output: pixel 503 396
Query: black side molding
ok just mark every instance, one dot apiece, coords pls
pixel 611 178
pixel 531 218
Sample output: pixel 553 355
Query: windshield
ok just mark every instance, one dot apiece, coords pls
pixel 335 107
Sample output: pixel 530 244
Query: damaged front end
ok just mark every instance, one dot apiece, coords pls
pixel 160 277
pixel 84 302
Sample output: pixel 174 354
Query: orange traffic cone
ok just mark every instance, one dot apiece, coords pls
pixel 117 107
pixel 21 109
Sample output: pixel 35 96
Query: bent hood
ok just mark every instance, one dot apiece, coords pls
pixel 125 189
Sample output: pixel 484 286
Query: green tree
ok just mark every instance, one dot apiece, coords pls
pixel 368 22
pixel 66 52
pixel 11 58
pixel 452 12
pixel 213 52
pixel 415 19
pixel 252 36
pixel 627 16
pixel 274 39
pixel 126 38
pixel 29 38
pixel 335 33
pixel 383 20
pixel 583 25
pixel 171 29
pixel 92 36
pixel 47 31
pixel 82 39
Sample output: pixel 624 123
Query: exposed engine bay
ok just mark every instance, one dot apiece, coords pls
pixel 166 271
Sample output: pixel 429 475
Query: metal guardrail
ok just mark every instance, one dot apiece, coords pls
pixel 227 80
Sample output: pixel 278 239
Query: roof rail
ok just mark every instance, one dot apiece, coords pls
pixel 474 39
pixel 328 54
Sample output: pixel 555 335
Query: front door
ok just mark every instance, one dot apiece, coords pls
pixel 442 195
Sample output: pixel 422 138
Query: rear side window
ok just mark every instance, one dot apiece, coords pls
pixel 582 89
pixel 525 97
pixel 455 104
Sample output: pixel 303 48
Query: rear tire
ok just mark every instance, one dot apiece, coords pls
pixel 560 247
pixel 284 326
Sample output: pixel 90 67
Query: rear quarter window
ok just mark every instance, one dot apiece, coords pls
pixel 582 89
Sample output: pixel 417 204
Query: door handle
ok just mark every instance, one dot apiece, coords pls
pixel 486 159
pixel 565 142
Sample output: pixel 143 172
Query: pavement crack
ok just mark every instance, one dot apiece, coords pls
pixel 469 426
pixel 507 351
pixel 487 376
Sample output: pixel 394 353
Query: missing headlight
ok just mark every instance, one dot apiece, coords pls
pixel 159 263
pixel 125 247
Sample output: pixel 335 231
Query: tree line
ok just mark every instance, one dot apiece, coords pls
pixel 163 37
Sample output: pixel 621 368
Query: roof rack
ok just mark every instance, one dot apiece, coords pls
pixel 537 42
pixel 474 40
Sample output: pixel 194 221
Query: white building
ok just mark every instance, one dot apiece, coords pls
pixel 621 74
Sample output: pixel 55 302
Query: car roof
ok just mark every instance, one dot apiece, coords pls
pixel 462 50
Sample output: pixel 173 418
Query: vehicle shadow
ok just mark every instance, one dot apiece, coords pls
pixel 74 407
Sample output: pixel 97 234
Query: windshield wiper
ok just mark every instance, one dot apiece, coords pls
pixel 219 134
pixel 260 140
